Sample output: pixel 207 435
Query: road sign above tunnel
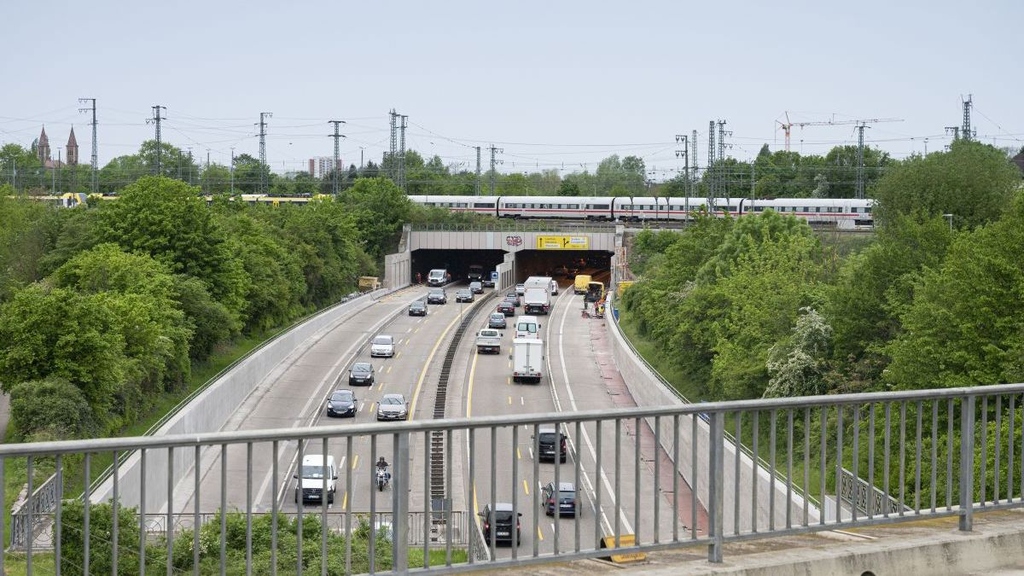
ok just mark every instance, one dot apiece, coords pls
pixel 563 242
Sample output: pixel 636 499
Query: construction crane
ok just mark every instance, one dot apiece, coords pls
pixel 787 126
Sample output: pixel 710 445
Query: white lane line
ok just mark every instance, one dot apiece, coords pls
pixel 586 437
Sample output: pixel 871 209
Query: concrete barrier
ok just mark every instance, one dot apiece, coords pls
pixel 210 410
pixel 648 389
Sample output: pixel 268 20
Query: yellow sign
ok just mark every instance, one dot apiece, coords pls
pixel 625 541
pixel 625 284
pixel 368 283
pixel 563 242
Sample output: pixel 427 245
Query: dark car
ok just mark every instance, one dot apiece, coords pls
pixel 476 287
pixel 341 403
pixel 497 320
pixel 417 308
pixel 464 295
pixel 360 374
pixel 502 519
pixel 507 308
pixel 562 499
pixel 437 296
pixel 550 442
pixel 514 298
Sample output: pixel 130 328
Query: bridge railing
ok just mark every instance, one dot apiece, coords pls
pixel 927 453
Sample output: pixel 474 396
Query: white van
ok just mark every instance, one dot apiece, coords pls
pixel 554 288
pixel 526 327
pixel 309 485
pixel 437 277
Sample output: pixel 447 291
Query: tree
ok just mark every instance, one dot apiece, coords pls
pixel 51 409
pixel 965 326
pixel 796 365
pixel 248 174
pixel 972 182
pixel 379 209
pixel 58 332
pixel 169 221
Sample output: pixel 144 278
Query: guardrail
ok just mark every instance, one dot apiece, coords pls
pixel 936 453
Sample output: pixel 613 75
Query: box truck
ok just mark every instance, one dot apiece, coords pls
pixel 527 360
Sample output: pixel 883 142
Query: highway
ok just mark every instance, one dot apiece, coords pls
pixel 294 395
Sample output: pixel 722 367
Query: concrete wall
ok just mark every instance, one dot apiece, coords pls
pixel 211 409
pixel 512 241
pixel 648 390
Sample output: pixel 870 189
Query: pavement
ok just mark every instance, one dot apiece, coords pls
pixel 932 546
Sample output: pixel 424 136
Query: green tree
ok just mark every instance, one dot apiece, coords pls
pixel 51 409
pixel 169 221
pixel 248 174
pixel 58 332
pixel 379 210
pixel 972 182
pixel 965 326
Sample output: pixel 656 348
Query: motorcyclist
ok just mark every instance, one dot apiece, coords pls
pixel 382 465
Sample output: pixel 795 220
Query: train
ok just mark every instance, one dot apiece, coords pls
pixel 840 213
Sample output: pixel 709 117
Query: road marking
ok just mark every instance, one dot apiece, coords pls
pixel 526 487
pixel 355 461
pixel 344 501
pixel 509 400
pixel 426 366
pixel 586 437
pixel 519 453
pixel 540 535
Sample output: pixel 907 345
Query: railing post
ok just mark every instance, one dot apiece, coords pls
pixel 967 463
pixel 400 504
pixel 716 492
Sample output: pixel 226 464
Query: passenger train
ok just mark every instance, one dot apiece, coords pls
pixel 840 213
pixel 846 214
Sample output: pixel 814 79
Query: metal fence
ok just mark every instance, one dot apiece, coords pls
pixel 885 457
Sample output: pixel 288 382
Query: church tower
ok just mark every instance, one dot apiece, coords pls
pixel 43 149
pixel 72 149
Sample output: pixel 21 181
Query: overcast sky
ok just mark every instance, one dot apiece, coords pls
pixel 555 84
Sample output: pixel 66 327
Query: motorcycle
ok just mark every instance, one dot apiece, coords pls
pixel 383 479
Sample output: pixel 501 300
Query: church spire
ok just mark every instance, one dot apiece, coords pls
pixel 72 148
pixel 43 149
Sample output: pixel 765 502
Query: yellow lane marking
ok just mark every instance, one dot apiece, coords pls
pixel 540 535
pixel 423 372
pixel 519 453
pixel 509 400
pixel 355 461
pixel 469 392
pixel 526 487
pixel 344 501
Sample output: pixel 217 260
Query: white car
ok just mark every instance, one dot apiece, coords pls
pixel 382 345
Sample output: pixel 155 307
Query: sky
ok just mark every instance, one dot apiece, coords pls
pixel 556 85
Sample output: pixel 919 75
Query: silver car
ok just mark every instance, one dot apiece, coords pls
pixel 393 407
pixel 382 345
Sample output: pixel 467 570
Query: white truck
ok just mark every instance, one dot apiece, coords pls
pixel 537 295
pixel 488 340
pixel 527 360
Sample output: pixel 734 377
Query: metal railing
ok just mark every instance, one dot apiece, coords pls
pixel 928 453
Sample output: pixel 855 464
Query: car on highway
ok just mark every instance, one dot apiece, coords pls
pixel 550 443
pixel 464 295
pixel 507 308
pixel 361 374
pixel 497 320
pixel 393 407
pixel 514 298
pixel 520 289
pixel 417 308
pixel 437 296
pixel 342 403
pixel 562 499
pixel 382 345
pixel 502 519
pixel 476 287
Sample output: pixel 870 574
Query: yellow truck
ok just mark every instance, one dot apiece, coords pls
pixel 581 283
